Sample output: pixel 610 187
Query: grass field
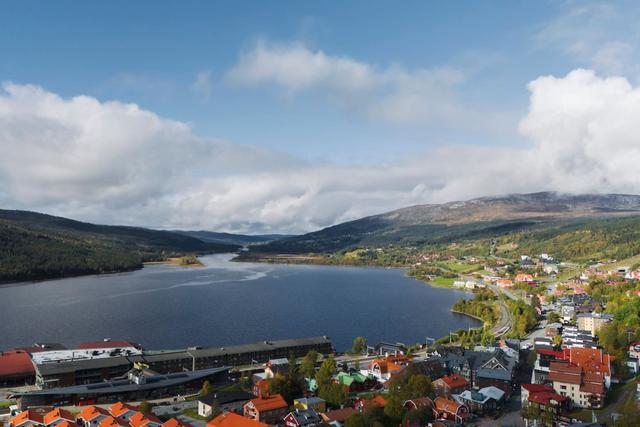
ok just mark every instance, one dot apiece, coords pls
pixel 460 268
pixel 442 281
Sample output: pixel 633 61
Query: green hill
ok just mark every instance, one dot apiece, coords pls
pixel 577 225
pixel 37 246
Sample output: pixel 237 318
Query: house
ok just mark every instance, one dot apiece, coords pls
pixel 172 422
pixel 450 384
pixel 524 278
pixel 302 418
pixel 227 402
pixel 231 419
pixel 361 405
pixel 486 401
pixel 315 403
pixel 355 381
pixel 418 403
pixel 140 419
pixel 58 416
pixel 592 322
pixel 543 397
pixel 450 410
pixel 113 422
pixel 504 283
pixel 261 388
pixel 91 416
pixel 268 410
pixel 276 366
pixel 337 417
pixel 384 367
pixel 122 411
pixel 29 418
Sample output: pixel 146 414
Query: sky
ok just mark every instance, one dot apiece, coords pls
pixel 287 117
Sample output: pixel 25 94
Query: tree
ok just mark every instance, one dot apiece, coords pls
pixel 393 410
pixel 145 407
pixel 359 345
pixel 308 365
pixel 420 416
pixel 206 388
pixel 355 420
pixel 553 317
pixel 557 340
pixel 326 371
pixel 335 394
pixel 419 386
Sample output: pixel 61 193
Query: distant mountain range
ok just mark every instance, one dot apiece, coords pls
pixel 233 239
pixel 37 246
pixel 465 220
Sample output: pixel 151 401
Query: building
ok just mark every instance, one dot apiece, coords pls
pixel 355 381
pixel 315 403
pixel 586 390
pixel 92 416
pixel 450 410
pixel 383 368
pixel 268 410
pixel 483 402
pixel 450 384
pixel 139 385
pixel 226 402
pixel 91 365
pixel 16 368
pixel 592 322
pixel 418 403
pixel 144 420
pixel 122 411
pixel 302 418
pixel 337 417
pixel 543 396
pixel 230 419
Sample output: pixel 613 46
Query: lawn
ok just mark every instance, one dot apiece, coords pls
pixel 193 413
pixel 442 281
pixel 457 267
pixel 7 403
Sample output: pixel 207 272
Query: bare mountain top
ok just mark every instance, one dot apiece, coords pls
pixel 518 206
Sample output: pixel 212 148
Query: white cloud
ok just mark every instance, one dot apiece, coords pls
pixel 599 35
pixel 202 85
pixel 115 163
pixel 392 94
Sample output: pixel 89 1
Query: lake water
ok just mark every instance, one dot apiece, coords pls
pixel 165 307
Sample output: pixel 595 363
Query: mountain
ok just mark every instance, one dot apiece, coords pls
pixel 234 239
pixel 37 246
pixel 479 218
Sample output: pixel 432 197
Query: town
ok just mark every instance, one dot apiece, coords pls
pixel 576 362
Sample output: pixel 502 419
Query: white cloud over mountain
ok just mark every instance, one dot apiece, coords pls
pixel 116 163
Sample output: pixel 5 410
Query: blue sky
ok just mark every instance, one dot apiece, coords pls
pixel 325 89
pixel 150 52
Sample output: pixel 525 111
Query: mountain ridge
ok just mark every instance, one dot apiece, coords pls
pixel 447 222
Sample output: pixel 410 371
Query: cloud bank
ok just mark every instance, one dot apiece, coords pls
pixel 116 163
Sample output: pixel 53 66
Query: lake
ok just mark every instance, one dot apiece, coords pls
pixel 225 303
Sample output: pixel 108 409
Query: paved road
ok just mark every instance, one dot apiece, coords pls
pixel 504 323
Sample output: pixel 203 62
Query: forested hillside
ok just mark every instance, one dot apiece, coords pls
pixel 36 246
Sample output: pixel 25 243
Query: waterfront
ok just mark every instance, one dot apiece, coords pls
pixel 228 303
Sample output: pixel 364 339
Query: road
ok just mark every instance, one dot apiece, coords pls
pixel 505 322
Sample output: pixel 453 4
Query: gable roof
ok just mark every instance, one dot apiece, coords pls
pixel 172 422
pixel 339 415
pixel 113 422
pixel 57 414
pixel 275 401
pixel 454 381
pixel 15 362
pixel 231 419
pixel 447 405
pixel 91 412
pixel 104 344
pixel 121 408
pixel 140 419
pixel 222 398
pixel 30 415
